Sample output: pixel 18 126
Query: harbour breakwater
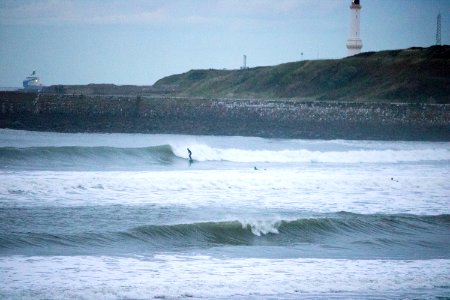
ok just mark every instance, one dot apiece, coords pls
pixel 200 116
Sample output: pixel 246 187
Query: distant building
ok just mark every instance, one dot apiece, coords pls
pixel 354 42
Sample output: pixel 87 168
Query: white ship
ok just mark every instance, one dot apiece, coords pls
pixel 32 83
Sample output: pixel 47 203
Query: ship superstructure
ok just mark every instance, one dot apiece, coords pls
pixel 32 83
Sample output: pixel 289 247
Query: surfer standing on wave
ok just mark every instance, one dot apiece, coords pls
pixel 190 155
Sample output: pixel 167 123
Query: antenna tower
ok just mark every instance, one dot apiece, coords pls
pixel 438 29
pixel 244 65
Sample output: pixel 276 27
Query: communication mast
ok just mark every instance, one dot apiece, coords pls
pixel 244 65
pixel 438 30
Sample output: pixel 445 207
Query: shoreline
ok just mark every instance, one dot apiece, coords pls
pixel 227 117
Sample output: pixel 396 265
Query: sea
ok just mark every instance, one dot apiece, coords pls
pixel 128 216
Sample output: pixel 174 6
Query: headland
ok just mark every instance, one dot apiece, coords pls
pixel 388 95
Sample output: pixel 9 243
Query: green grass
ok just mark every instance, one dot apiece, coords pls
pixel 410 75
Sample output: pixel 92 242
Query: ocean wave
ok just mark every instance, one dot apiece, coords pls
pixel 203 152
pixel 80 156
pixel 344 228
pixel 76 156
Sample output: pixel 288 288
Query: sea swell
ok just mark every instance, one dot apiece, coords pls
pixel 346 230
pixel 84 157
pixel 106 157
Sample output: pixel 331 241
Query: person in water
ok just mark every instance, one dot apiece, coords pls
pixel 190 155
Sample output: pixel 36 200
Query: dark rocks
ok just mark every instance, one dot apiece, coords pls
pixel 265 118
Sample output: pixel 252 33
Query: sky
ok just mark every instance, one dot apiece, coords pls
pixel 140 41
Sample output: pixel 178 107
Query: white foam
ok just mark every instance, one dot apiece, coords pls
pixel 106 277
pixel 413 189
pixel 203 152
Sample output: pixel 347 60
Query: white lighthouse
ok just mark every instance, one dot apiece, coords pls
pixel 354 43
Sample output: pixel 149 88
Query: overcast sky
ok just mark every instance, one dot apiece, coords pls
pixel 141 41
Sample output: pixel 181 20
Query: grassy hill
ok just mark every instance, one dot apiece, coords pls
pixel 410 75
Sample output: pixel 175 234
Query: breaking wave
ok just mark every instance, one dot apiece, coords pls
pixel 80 156
pixel 343 228
pixel 207 153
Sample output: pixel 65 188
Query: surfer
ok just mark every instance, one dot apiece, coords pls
pixel 190 155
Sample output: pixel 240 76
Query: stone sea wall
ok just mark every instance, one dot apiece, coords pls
pixel 265 118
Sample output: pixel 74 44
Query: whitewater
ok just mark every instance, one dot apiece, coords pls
pixel 127 216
